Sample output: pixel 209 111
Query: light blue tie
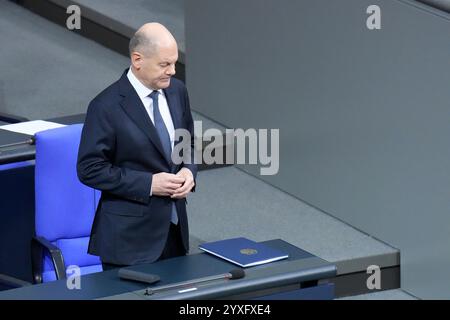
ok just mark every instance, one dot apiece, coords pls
pixel 165 140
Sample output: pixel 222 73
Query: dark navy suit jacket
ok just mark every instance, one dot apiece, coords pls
pixel 119 152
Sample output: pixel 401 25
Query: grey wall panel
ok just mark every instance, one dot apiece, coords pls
pixel 363 115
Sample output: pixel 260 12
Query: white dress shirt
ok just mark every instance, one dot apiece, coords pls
pixel 143 92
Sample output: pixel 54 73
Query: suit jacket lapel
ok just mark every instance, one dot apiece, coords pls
pixel 133 106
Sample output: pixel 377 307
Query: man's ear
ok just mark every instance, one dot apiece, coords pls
pixel 136 60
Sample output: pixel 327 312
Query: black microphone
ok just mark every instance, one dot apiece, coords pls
pixel 237 274
pixel 232 275
pixel 139 276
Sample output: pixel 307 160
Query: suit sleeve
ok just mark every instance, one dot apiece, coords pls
pixel 190 127
pixel 95 159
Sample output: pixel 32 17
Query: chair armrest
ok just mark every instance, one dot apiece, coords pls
pixel 13 282
pixel 10 118
pixel 38 245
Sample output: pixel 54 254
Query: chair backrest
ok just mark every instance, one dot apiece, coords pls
pixel 65 208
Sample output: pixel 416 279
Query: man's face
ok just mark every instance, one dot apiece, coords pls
pixel 156 70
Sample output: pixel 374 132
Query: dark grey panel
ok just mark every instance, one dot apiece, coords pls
pixel 363 115
pixel 356 283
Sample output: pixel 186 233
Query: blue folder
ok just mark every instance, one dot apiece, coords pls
pixel 243 252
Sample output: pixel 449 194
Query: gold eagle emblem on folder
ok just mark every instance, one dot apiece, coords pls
pixel 249 252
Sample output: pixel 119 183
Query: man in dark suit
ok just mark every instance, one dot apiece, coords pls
pixel 125 151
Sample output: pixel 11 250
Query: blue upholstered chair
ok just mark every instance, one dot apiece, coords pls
pixel 65 207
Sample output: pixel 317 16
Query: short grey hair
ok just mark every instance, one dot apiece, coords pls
pixel 140 42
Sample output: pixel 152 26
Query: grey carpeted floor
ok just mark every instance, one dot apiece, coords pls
pixel 134 13
pixel 48 71
pixel 230 203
